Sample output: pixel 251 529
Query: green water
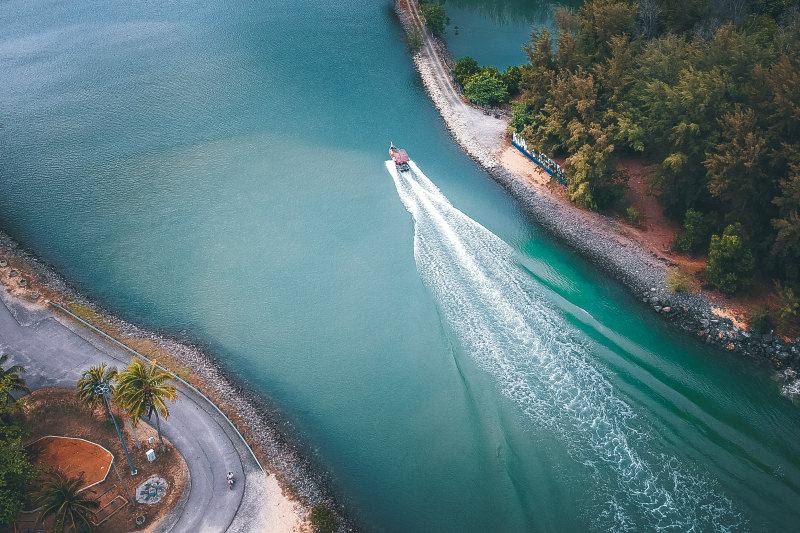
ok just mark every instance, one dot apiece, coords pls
pixel 493 31
pixel 217 172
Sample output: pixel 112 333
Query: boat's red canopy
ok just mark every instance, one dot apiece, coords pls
pixel 400 156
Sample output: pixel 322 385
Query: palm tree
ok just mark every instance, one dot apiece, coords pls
pixel 12 378
pixel 62 498
pixel 143 390
pixel 94 386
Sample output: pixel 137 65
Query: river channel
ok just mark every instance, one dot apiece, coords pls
pixel 216 171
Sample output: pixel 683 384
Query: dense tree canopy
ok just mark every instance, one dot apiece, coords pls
pixel 709 91
pixel 16 471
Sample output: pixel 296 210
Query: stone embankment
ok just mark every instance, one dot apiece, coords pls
pixel 596 237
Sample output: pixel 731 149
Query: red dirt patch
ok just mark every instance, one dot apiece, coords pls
pixel 73 457
pixel 47 412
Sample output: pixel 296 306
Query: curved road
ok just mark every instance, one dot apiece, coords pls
pixel 56 353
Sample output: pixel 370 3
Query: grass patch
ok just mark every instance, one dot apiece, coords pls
pixel 323 519
pixel 85 312
pixel 678 280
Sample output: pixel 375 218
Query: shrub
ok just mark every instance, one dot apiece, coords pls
pixel 414 41
pixel 760 320
pixel 323 519
pixel 694 237
pixel 464 68
pixel 609 189
pixel 788 304
pixel 522 116
pixel 435 17
pixel 485 89
pixel 633 216
pixel 512 77
pixel 730 261
pixel 678 280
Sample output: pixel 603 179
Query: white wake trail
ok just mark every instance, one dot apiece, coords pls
pixel 507 325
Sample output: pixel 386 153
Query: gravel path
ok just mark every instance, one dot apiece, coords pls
pixel 480 135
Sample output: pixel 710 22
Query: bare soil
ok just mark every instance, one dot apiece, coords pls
pixel 72 457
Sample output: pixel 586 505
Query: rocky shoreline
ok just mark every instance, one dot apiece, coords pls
pixel 283 451
pixel 639 271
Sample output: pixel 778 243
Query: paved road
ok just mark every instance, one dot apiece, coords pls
pixel 55 355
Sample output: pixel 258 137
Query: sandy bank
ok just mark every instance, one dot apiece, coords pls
pixel 602 240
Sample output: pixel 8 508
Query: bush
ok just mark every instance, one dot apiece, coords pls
pixel 484 88
pixel 323 519
pixel 788 304
pixel 414 41
pixel 678 280
pixel 512 77
pixel 633 216
pixel 761 320
pixel 435 17
pixel 522 116
pixel 609 189
pixel 464 68
pixel 730 261
pixel 694 237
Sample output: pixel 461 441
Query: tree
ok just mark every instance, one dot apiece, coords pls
pixel 16 471
pixel 11 377
pixel 464 68
pixel 591 168
pixel 435 17
pixel 696 232
pixel 736 168
pixel 730 261
pixel 143 391
pixel 600 21
pixel 63 499
pixel 788 304
pixel 568 22
pixel 512 77
pixel 786 247
pixel 647 17
pixel 94 386
pixel 486 89
pixel 414 41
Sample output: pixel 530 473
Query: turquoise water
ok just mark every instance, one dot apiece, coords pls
pixel 217 172
pixel 493 31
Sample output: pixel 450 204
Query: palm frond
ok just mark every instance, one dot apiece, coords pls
pixel 62 499
pixel 141 388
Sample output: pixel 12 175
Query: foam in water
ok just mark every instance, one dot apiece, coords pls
pixel 506 323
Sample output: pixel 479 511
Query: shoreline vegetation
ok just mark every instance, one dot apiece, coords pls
pixel 648 273
pixel 279 447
